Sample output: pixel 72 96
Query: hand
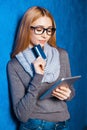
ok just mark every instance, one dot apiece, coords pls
pixel 39 65
pixel 62 92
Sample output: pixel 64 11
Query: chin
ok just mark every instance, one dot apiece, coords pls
pixel 42 45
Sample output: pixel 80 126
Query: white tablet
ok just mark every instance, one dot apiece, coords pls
pixel 68 80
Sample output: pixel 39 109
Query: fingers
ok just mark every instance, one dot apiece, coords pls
pixel 62 92
pixel 39 65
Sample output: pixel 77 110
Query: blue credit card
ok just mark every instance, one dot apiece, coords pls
pixel 38 51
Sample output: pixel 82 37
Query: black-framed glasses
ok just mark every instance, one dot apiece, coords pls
pixel 38 30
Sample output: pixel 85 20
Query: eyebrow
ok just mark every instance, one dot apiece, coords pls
pixel 41 26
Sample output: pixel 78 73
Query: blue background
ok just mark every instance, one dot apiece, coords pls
pixel 71 20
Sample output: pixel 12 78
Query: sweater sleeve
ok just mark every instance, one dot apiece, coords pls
pixel 23 101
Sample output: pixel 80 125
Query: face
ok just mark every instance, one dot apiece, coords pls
pixel 44 22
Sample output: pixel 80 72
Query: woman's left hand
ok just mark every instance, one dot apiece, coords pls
pixel 62 92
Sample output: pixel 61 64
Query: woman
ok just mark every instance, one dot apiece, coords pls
pixel 30 77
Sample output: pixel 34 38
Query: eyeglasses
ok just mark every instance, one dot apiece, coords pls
pixel 38 30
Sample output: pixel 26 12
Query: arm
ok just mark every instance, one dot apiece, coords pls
pixel 68 74
pixel 23 101
pixel 64 92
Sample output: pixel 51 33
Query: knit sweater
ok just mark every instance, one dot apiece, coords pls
pixel 25 92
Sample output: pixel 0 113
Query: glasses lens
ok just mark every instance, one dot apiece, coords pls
pixel 50 31
pixel 39 30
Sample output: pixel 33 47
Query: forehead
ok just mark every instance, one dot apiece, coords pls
pixel 44 21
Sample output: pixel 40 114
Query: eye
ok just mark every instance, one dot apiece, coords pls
pixel 39 29
pixel 49 29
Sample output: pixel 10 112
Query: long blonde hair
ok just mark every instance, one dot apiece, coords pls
pixel 23 40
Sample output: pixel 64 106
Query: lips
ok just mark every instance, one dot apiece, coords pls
pixel 42 41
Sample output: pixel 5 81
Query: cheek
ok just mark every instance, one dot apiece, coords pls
pixel 33 38
pixel 48 38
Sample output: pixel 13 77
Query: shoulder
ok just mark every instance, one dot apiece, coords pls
pixel 13 63
pixel 62 52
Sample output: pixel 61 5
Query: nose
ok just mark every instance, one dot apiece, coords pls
pixel 44 34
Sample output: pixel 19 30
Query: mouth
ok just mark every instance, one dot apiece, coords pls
pixel 42 41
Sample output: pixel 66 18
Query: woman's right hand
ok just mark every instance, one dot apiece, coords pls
pixel 39 65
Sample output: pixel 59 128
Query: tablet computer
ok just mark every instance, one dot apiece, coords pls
pixel 68 80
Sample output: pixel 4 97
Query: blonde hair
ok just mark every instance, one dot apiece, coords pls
pixel 23 40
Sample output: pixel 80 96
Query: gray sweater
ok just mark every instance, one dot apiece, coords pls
pixel 25 92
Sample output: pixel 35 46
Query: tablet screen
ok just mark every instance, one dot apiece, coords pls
pixel 68 80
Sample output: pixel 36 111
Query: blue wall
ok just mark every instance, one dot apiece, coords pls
pixel 71 20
